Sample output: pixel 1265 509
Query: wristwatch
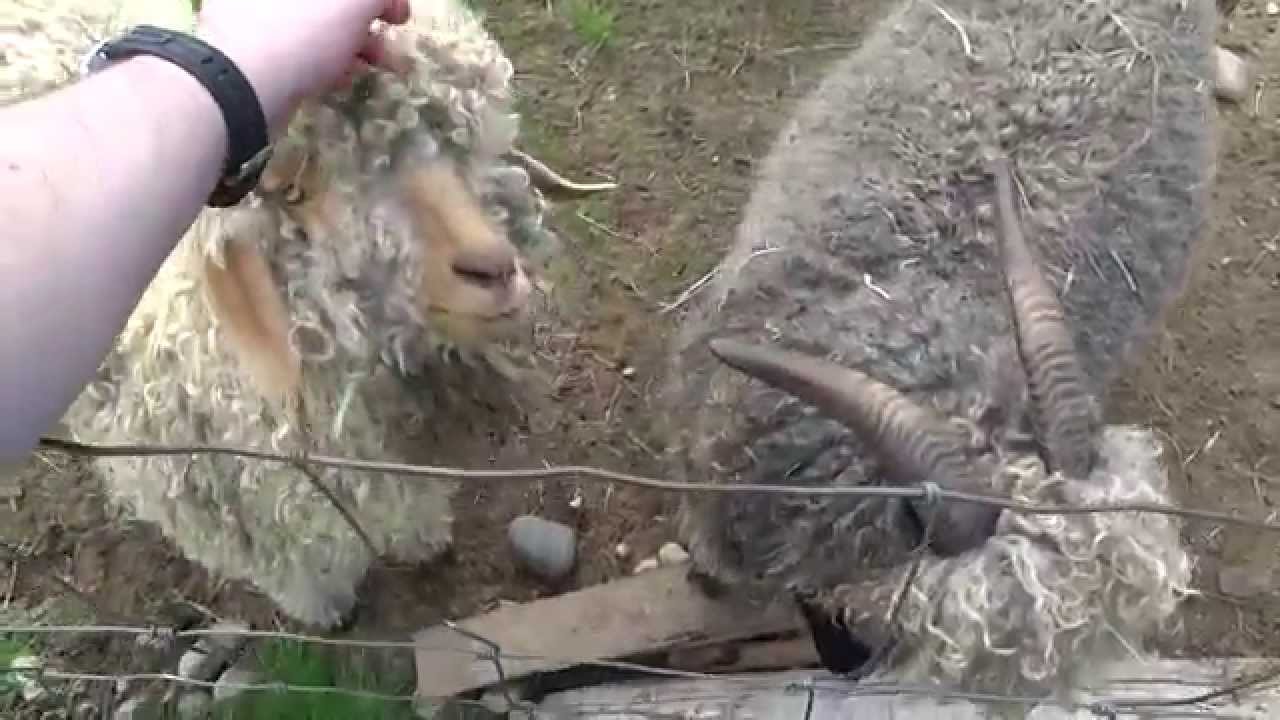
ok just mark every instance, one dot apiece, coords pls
pixel 248 144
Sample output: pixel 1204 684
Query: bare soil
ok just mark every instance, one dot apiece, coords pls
pixel 678 106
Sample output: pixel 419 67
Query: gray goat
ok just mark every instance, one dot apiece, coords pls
pixel 963 234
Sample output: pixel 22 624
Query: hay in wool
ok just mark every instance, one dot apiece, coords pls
pixel 389 243
pixel 869 241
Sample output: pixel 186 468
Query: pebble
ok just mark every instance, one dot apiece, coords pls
pixel 1234 79
pixel 242 673
pixel 672 554
pixel 547 549
pixel 1243 581
pixel 210 652
pixel 1273 9
pixel 137 708
pixel 622 551
pixel 645 565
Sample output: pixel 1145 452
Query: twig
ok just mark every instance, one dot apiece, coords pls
pixel 702 281
pixel 323 489
pixel 495 656
pixel 964 36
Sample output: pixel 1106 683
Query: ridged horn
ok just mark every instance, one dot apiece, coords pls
pixel 1066 412
pixel 915 445
pixel 551 183
pixel 912 440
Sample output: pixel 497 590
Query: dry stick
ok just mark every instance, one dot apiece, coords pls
pixel 300 464
pixel 495 656
pixel 916 561
pixel 599 474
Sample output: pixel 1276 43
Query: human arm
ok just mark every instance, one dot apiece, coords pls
pixel 98 180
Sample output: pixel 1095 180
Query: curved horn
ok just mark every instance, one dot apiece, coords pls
pixel 551 183
pixel 915 444
pixel 912 440
pixel 1067 413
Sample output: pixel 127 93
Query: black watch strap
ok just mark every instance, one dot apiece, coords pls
pixel 248 144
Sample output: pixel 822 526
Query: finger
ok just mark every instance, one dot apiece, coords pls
pixel 377 51
pixel 396 12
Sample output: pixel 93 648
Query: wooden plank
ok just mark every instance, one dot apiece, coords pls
pixel 650 612
pixel 778 696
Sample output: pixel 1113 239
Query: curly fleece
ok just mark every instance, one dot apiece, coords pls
pixel 870 240
pixel 348 286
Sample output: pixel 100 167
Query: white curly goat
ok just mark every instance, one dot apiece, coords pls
pixel 389 242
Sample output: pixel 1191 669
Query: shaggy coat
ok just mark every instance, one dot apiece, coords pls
pixel 389 243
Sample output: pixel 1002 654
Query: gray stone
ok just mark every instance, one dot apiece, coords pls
pixel 138 707
pixel 547 549
pixel 672 554
pixel 244 672
pixel 210 653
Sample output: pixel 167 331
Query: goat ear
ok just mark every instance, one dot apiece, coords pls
pixel 247 306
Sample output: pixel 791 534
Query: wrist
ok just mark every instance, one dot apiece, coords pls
pixel 264 74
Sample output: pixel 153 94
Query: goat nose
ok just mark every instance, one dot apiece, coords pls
pixel 490 268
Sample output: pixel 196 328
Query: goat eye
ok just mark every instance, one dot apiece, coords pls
pixel 486 268
pixel 480 276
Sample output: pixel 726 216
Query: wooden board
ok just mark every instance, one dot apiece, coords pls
pixel 766 696
pixel 650 612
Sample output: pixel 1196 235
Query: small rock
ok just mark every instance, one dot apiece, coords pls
pixel 1243 581
pixel 628 372
pixel 622 551
pixel 138 707
pixel 645 565
pixel 1233 75
pixel 194 704
pixel 242 673
pixel 672 554
pixel 211 653
pixel 547 549
pixel 1273 9
pixel 192 663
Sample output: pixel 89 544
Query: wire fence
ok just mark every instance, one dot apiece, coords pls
pixel 159 635
pixel 1190 705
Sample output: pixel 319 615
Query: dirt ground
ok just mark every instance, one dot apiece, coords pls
pixel 677 105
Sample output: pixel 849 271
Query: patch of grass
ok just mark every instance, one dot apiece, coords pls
pixel 592 20
pixel 299 664
pixel 12 647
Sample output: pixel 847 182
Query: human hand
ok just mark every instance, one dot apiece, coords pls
pixel 293 49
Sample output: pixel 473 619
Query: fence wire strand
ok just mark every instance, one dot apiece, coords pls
pixel 595 474
pixel 492 652
pixel 486 650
